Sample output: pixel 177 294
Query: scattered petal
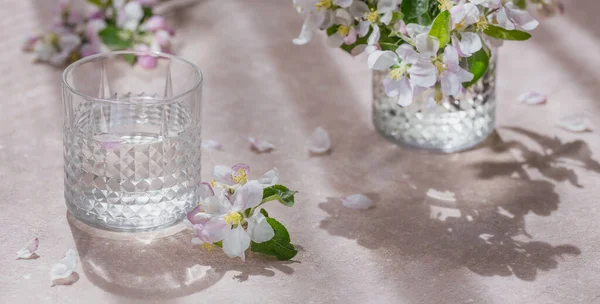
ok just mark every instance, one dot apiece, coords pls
pixel 28 252
pixel 260 146
pixel 357 201
pixel 533 98
pixel 211 145
pixel 442 196
pixel 576 123
pixel 319 141
pixel 63 273
pixel 27 276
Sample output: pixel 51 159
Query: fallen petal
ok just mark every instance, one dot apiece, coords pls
pixel 357 201
pixel 260 146
pixel 576 123
pixel 533 98
pixel 211 145
pixel 28 252
pixel 61 273
pixel 442 196
pixel 70 280
pixel 319 141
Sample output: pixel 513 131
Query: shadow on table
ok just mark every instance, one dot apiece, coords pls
pixel 158 265
pixel 485 229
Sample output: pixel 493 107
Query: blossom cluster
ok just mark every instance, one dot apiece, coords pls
pixel 230 213
pixel 108 25
pixel 431 49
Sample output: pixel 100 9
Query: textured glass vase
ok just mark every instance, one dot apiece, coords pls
pixel 454 125
pixel 131 140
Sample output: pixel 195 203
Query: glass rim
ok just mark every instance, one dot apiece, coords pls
pixel 161 100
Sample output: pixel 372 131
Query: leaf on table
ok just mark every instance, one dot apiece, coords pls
pixel 578 123
pixel 211 145
pixel 279 246
pixel 442 196
pixel 28 252
pixel 533 98
pixel 63 272
pixel 357 201
pixel 260 146
pixel 279 193
pixel 319 141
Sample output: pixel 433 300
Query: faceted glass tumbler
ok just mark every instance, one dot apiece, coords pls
pixel 455 125
pixel 131 140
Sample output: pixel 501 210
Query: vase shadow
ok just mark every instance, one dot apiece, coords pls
pixel 158 265
pixel 485 229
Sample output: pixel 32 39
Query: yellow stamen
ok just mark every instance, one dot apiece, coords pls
pixel 444 5
pixel 213 183
pixel 373 16
pixel 233 218
pixel 397 73
pixel 440 66
pixel 343 30
pixel 323 4
pixel 482 24
pixel 240 177
pixel 208 246
pixel 460 26
pixel 439 96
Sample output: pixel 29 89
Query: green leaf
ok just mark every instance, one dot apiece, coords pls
pixel 279 193
pixel 441 28
pixel 116 39
pixel 264 212
pixel 522 4
pixel 130 58
pixel 279 246
pixel 385 46
pixel 504 34
pixel 478 65
pixel 396 16
pixel 416 11
pixel 219 244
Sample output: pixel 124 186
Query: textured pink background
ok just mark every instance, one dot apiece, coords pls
pixel 530 178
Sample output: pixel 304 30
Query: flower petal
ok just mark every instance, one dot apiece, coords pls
pixel 335 41
pixel 405 96
pixel 451 58
pixel 65 267
pixel 357 50
pixel 270 178
pixel 363 27
pixel 211 145
pixel 450 83
pixel 375 35
pixel 407 54
pixel 214 231
pixel 423 73
pixel 237 167
pixel 28 252
pixel 533 98
pixel 260 230
pixel 576 123
pixel 357 201
pixel 236 242
pixel 414 29
pixel 427 45
pixel 248 196
pixel 259 145
pixel 319 141
pixel 358 9
pixel 468 45
pixel 312 21
pixel 343 3
pixel 382 60
pixel 351 37
pixel 521 18
pixel 223 174
pixel 442 196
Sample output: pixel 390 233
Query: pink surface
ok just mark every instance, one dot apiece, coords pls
pixel 524 228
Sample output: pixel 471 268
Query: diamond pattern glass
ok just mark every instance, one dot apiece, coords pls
pixel 456 124
pixel 131 141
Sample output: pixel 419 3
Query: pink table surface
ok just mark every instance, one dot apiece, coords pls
pixel 524 228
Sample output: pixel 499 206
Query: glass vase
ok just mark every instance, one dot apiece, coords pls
pixel 454 124
pixel 131 140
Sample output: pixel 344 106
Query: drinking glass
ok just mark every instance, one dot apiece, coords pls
pixel 131 140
